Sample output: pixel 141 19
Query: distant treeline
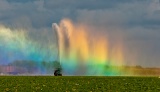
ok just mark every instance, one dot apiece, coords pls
pixel 48 67
pixel 30 67
pixel 137 70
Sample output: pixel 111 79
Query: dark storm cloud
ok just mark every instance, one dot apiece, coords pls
pixel 85 4
pixel 43 12
pixel 20 1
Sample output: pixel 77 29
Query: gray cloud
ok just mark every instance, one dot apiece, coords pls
pixel 133 12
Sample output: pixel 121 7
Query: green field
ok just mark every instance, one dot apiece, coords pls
pixel 78 84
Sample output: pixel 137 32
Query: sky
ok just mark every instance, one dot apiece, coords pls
pixel 135 22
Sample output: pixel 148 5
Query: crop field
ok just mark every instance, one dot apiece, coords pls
pixel 78 84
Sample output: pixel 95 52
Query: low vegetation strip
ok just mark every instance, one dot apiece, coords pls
pixel 78 84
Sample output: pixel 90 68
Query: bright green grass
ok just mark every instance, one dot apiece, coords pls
pixel 78 84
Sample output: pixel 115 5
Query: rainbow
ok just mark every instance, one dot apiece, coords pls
pixel 79 51
pixel 82 54
pixel 15 44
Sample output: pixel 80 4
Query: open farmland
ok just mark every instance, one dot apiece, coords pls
pixel 78 83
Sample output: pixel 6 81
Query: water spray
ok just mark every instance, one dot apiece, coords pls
pixel 58 67
pixel 79 53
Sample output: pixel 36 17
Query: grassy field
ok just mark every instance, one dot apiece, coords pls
pixel 78 84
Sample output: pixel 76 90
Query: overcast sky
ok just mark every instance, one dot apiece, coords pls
pixel 137 21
